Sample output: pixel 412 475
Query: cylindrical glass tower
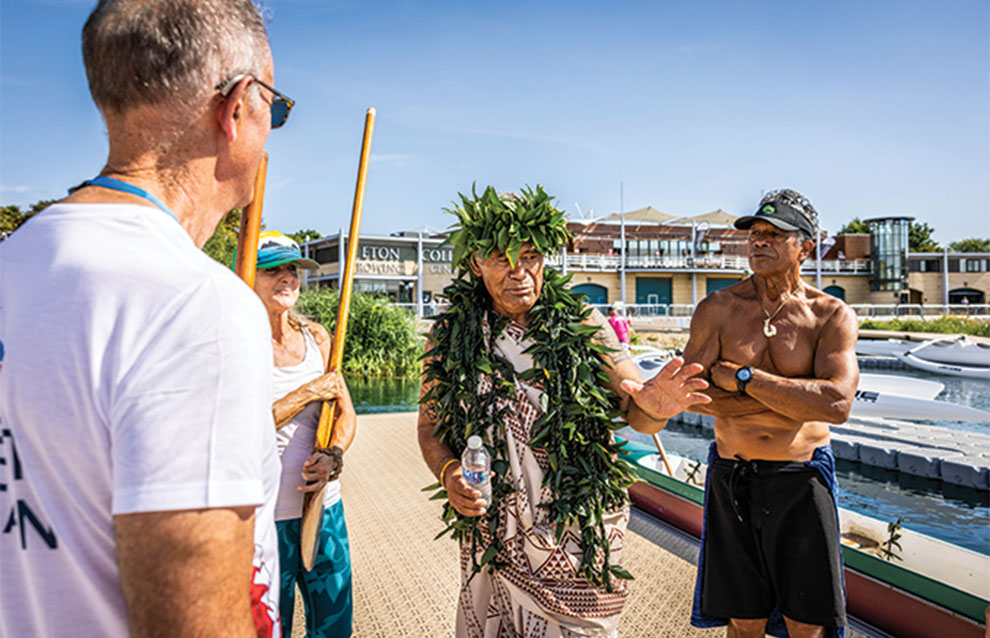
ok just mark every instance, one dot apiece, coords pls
pixel 888 252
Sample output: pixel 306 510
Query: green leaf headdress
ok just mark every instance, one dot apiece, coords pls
pixel 494 223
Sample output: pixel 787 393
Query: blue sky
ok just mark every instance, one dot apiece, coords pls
pixel 868 108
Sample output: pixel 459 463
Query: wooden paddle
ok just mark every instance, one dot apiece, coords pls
pixel 246 261
pixel 313 506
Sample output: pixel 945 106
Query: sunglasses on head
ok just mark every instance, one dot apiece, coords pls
pixel 281 103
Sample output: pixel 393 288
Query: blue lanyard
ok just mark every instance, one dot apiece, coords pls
pixel 117 185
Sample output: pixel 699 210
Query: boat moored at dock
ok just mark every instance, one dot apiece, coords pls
pixel 956 355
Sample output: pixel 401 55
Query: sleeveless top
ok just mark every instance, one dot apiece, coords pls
pixel 295 439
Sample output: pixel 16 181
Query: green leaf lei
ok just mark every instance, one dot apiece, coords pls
pixel 586 475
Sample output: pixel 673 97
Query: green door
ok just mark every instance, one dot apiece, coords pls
pixel 717 283
pixel 654 291
pixel 597 295
pixel 836 291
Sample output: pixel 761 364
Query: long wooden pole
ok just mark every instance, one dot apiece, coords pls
pixel 325 431
pixel 663 454
pixel 313 507
pixel 246 262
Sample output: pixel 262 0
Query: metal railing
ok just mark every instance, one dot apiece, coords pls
pixel 922 311
pixel 864 266
pixel 714 262
pixel 682 311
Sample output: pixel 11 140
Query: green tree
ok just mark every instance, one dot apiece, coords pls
pixel 221 245
pixel 971 245
pixel 856 226
pixel 12 217
pixel 301 236
pixel 920 238
pixel 40 205
pixel 381 337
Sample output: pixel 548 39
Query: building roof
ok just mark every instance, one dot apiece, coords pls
pixel 648 214
pixel 426 230
pixel 717 217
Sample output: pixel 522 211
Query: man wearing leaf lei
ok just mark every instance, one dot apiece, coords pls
pixel 523 362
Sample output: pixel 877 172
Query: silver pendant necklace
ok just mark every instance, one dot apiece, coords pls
pixel 768 330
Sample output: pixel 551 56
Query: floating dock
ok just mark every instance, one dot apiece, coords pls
pixel 931 451
pixel 882 363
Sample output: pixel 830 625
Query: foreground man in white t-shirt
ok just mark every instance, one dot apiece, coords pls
pixel 139 469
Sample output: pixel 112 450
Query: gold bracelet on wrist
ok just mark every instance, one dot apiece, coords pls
pixel 444 469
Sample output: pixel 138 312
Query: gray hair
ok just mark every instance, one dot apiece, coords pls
pixel 140 52
pixel 798 202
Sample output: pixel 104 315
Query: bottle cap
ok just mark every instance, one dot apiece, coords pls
pixel 474 442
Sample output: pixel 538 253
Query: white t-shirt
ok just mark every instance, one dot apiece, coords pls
pixel 136 377
pixel 295 439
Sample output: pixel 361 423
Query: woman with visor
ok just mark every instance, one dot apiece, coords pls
pixel 302 349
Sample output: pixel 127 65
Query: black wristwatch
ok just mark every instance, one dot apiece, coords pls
pixel 743 376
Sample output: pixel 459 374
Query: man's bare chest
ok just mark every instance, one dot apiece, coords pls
pixel 785 345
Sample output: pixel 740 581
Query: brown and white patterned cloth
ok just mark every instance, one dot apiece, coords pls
pixel 539 593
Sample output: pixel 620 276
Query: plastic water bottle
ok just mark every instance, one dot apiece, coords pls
pixel 476 466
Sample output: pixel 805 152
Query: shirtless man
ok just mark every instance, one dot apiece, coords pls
pixel 781 361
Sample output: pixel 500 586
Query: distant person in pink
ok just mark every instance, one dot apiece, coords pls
pixel 619 323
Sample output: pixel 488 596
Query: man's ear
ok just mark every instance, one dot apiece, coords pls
pixel 807 249
pixel 232 108
pixel 473 264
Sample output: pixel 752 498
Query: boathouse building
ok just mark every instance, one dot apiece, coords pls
pixel 662 265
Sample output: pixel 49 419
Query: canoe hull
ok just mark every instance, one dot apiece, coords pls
pixel 950 369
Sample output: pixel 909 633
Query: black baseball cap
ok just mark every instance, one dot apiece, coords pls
pixel 781 215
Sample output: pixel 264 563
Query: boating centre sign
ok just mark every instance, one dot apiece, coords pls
pixel 401 260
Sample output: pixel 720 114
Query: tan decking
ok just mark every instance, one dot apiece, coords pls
pixel 405 583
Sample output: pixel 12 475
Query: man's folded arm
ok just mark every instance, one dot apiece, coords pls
pixel 704 347
pixel 829 395
pixel 729 404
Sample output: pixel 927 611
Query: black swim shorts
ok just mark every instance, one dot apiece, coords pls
pixel 772 540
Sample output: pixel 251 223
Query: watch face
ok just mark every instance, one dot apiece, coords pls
pixel 744 374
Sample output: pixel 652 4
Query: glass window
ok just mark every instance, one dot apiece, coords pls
pixel 327 255
pixel 973 265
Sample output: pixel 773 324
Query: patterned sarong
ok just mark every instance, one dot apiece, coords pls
pixel 539 593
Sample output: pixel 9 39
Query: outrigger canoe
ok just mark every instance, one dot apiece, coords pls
pixel 957 355
pixel 912 359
